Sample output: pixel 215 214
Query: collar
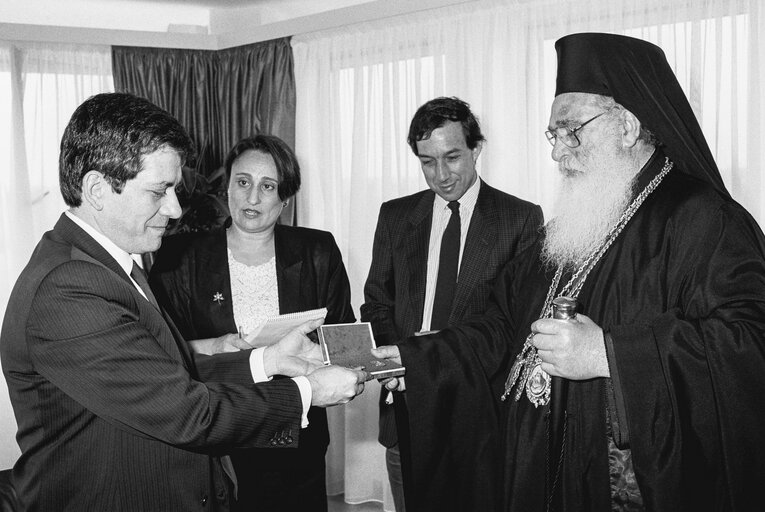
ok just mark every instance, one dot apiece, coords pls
pixel 650 169
pixel 124 259
pixel 467 201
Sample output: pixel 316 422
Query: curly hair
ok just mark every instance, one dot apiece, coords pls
pixel 436 113
pixel 111 133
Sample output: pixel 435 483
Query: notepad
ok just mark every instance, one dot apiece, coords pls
pixel 277 327
pixel 349 345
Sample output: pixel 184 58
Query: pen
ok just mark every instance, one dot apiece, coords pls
pixel 241 332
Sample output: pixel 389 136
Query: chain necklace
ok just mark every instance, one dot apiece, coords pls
pixel 527 370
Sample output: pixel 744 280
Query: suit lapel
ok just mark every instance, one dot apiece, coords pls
pixel 289 265
pixel 181 344
pixel 79 239
pixel 213 283
pixel 85 247
pixel 481 237
pixel 416 241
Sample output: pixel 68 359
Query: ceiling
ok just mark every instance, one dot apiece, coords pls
pixel 212 4
pixel 203 24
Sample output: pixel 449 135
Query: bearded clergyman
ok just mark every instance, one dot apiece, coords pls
pixel 621 365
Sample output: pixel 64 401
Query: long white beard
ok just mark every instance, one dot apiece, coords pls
pixel 587 206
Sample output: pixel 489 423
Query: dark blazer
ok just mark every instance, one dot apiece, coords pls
pixel 111 411
pixel 501 227
pixel 191 269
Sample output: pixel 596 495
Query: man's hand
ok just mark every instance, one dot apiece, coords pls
pixel 225 343
pixel 392 353
pixel 333 385
pixel 294 354
pixel 573 349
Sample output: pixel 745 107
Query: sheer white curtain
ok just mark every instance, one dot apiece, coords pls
pixel 351 141
pixel 357 88
pixel 40 86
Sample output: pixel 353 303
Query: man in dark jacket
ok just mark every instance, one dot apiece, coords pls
pixel 114 412
pixel 435 256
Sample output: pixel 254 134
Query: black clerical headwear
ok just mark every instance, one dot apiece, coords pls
pixel 637 75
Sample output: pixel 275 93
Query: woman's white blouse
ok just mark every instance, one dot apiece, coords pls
pixel 254 292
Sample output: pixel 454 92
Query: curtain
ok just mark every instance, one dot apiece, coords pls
pixel 358 87
pixel 40 86
pixel 218 96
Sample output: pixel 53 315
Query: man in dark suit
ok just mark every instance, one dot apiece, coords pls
pixel 436 254
pixel 113 411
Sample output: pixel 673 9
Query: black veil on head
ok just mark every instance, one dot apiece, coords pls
pixel 637 75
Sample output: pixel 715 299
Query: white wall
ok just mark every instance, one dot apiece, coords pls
pixel 192 24
pixel 111 15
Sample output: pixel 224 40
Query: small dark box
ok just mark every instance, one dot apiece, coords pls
pixel 349 345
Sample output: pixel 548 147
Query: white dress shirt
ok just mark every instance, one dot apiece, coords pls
pixel 441 216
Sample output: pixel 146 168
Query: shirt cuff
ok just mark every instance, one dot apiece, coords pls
pixel 259 375
pixel 256 365
pixel 306 394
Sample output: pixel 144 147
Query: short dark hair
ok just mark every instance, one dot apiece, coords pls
pixel 110 133
pixel 436 113
pixel 287 167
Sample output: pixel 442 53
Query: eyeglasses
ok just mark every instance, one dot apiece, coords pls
pixel 568 135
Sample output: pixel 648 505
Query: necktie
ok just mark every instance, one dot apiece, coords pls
pixel 139 276
pixel 448 262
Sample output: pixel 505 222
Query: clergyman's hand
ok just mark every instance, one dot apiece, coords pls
pixel 392 353
pixel 295 354
pixel 573 349
pixel 333 385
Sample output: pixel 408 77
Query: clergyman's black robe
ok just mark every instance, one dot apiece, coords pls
pixel 682 294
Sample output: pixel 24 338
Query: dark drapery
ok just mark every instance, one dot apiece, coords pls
pixel 218 96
